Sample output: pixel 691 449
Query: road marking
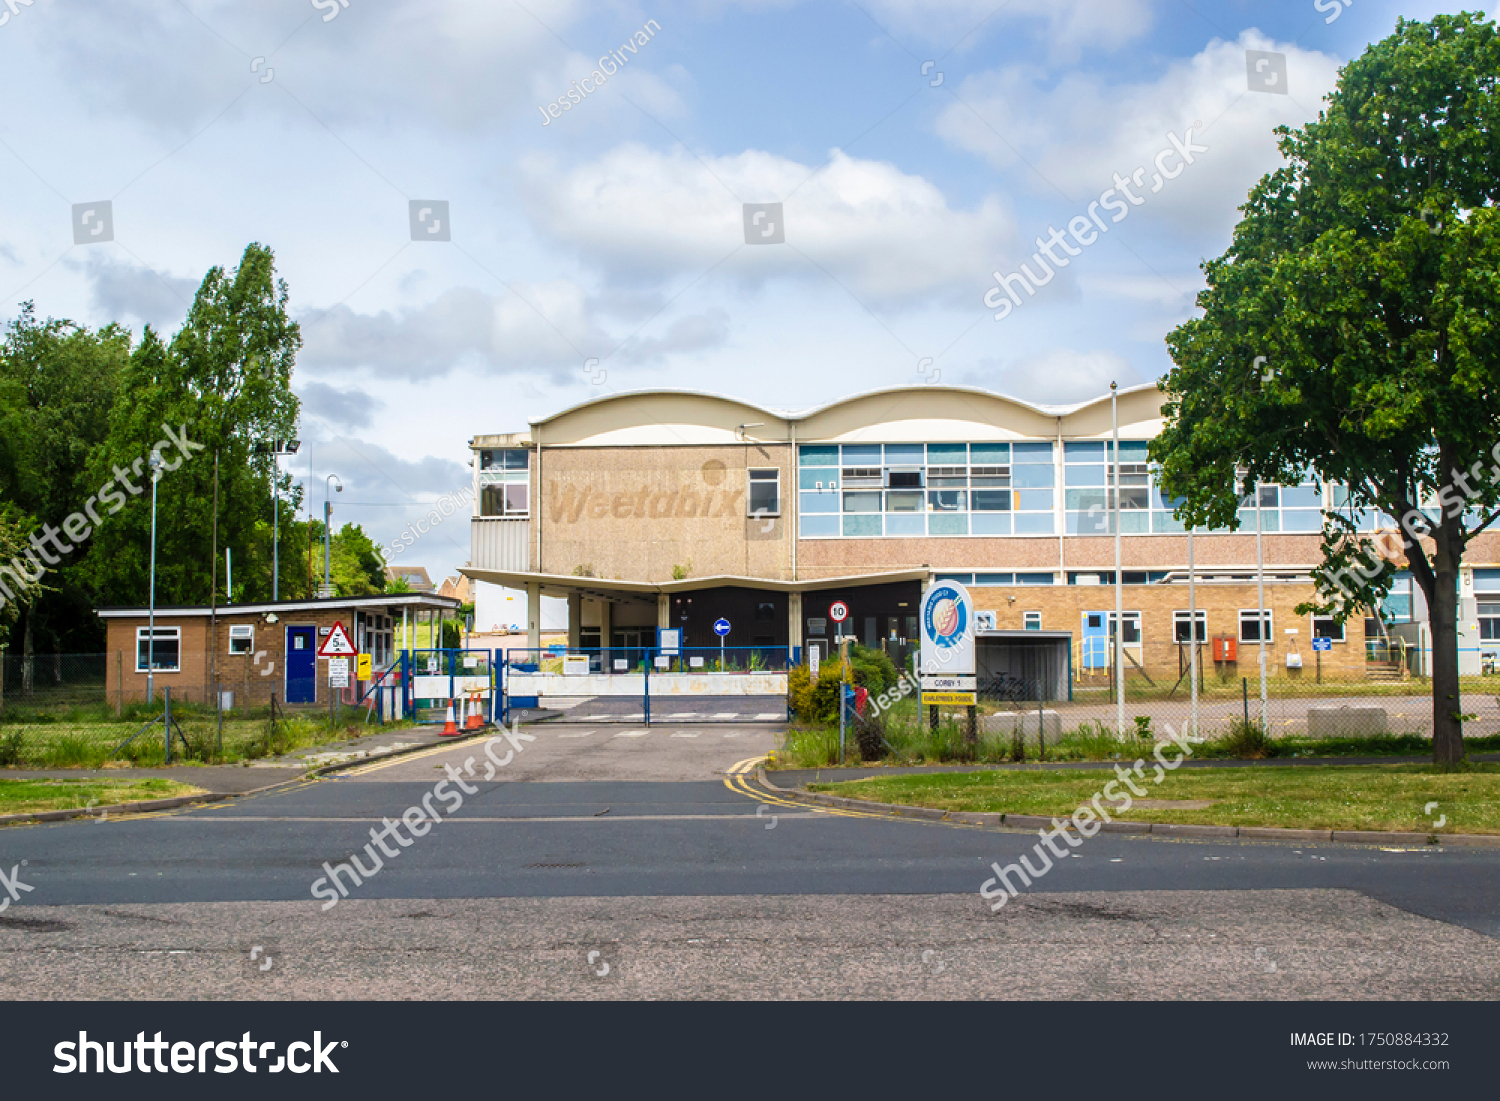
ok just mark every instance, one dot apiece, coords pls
pixel 736 734
pixel 681 715
pixel 682 735
pixel 766 716
pixel 631 734
pixel 585 734
pixel 725 715
pixel 441 747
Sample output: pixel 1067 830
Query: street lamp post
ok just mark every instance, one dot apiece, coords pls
pixel 327 526
pixel 151 620
pixel 276 448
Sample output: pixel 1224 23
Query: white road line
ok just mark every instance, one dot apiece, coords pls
pixel 585 734
pixel 765 716
pixel 736 734
pixel 724 715
pixel 679 715
pixel 683 735
pixel 631 734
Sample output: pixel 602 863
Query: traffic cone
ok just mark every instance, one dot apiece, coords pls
pixel 449 726
pixel 476 718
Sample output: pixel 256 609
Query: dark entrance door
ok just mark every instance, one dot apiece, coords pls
pixel 301 665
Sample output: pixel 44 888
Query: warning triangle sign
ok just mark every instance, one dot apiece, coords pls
pixel 337 644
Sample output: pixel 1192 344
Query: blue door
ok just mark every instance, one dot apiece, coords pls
pixel 301 665
pixel 1095 648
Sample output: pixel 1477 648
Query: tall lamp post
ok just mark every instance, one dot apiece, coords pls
pixel 151 621
pixel 276 448
pixel 327 525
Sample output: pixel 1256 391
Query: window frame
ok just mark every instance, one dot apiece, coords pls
pixel 143 635
pixel 1342 628
pixel 1028 618
pixel 245 631
pixel 1267 625
pixel 764 476
pixel 1180 619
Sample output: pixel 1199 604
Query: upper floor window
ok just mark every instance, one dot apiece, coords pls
pixel 765 493
pixel 505 458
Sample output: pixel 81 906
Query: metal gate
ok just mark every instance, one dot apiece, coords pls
pixel 739 684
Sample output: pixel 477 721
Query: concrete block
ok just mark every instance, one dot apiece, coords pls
pixel 1005 723
pixel 1346 721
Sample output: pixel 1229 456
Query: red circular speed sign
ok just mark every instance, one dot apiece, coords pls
pixel 839 611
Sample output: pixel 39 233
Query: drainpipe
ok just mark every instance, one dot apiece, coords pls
pixel 1058 502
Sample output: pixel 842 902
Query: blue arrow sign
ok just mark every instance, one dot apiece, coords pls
pixel 721 627
pixel 1322 644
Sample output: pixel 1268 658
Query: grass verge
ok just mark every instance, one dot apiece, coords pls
pixel 1350 797
pixel 30 796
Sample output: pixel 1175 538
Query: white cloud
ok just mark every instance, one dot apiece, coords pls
pixel 1056 376
pixel 460 328
pixel 1081 130
pixel 886 235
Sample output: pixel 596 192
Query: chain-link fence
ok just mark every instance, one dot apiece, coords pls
pixel 1055 699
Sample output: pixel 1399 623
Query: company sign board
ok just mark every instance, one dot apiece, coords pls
pixel 946 666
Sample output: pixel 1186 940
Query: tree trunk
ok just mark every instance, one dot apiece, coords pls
pixel 1442 613
pixel 28 669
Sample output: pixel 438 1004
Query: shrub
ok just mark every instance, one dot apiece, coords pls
pixel 10 750
pixel 1248 740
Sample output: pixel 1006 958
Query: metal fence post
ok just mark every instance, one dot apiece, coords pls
pixel 646 682
pixel 167 720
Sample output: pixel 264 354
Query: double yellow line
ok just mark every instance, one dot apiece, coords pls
pixel 736 780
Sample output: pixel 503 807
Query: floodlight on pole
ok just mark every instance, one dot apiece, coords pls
pixel 327 526
pixel 151 620
pixel 276 448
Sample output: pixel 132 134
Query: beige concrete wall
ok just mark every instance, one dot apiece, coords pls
pixel 634 513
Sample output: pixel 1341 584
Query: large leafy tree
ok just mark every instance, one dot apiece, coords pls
pixel 1351 329
pixel 224 379
pixel 58 381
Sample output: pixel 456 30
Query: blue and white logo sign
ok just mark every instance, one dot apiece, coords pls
pixel 947 630
pixel 721 626
pixel 1322 644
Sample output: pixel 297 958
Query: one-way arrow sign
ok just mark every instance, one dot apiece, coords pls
pixel 337 644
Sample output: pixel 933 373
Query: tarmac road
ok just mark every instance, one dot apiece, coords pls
pixel 627 843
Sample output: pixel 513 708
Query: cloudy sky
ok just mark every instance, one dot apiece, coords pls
pixel 915 146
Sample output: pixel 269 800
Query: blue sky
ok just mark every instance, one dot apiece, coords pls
pixel 615 231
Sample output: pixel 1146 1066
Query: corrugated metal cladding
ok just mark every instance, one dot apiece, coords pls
pixel 498 544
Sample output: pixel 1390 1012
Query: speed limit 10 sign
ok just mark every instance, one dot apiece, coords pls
pixel 839 611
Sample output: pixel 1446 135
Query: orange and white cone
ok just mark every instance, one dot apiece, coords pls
pixel 449 726
pixel 476 714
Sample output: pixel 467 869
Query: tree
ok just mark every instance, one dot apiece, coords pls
pixel 356 565
pixel 224 380
pixel 1351 329
pixel 57 383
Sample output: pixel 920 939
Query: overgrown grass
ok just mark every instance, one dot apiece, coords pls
pixel 91 741
pixel 906 739
pixel 1351 797
pixel 30 796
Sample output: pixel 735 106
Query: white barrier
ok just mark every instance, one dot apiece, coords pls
pixel 634 684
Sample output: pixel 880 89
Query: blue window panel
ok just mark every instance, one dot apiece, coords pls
pixel 1033 500
pixel 809 477
pixel 1031 453
pixel 1034 579
pixel 1083 451
pixel 1135 521
pixel 1397 608
pixel 947 454
pixel 1168 504
pixel 819 502
pixel 1301 497
pixel 1090 523
pixel 948 523
pixel 1034 523
pixel 813 527
pixel 1268 518
pixel 862 454
pixel 988 454
pixel 856 527
pixel 1164 523
pixel 1301 519
pixel 1081 500
pixel 1485 581
pixel 819 455
pixel 949 500
pixel 905 523
pixel 905 454
pixel 961 578
pixel 990 523
pixel 990 500
pixel 994 579
pixel 1084 476
pixel 1132 451
pixel 862 501
pixel 1031 477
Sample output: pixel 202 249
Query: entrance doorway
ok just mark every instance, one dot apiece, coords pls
pixel 301 665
